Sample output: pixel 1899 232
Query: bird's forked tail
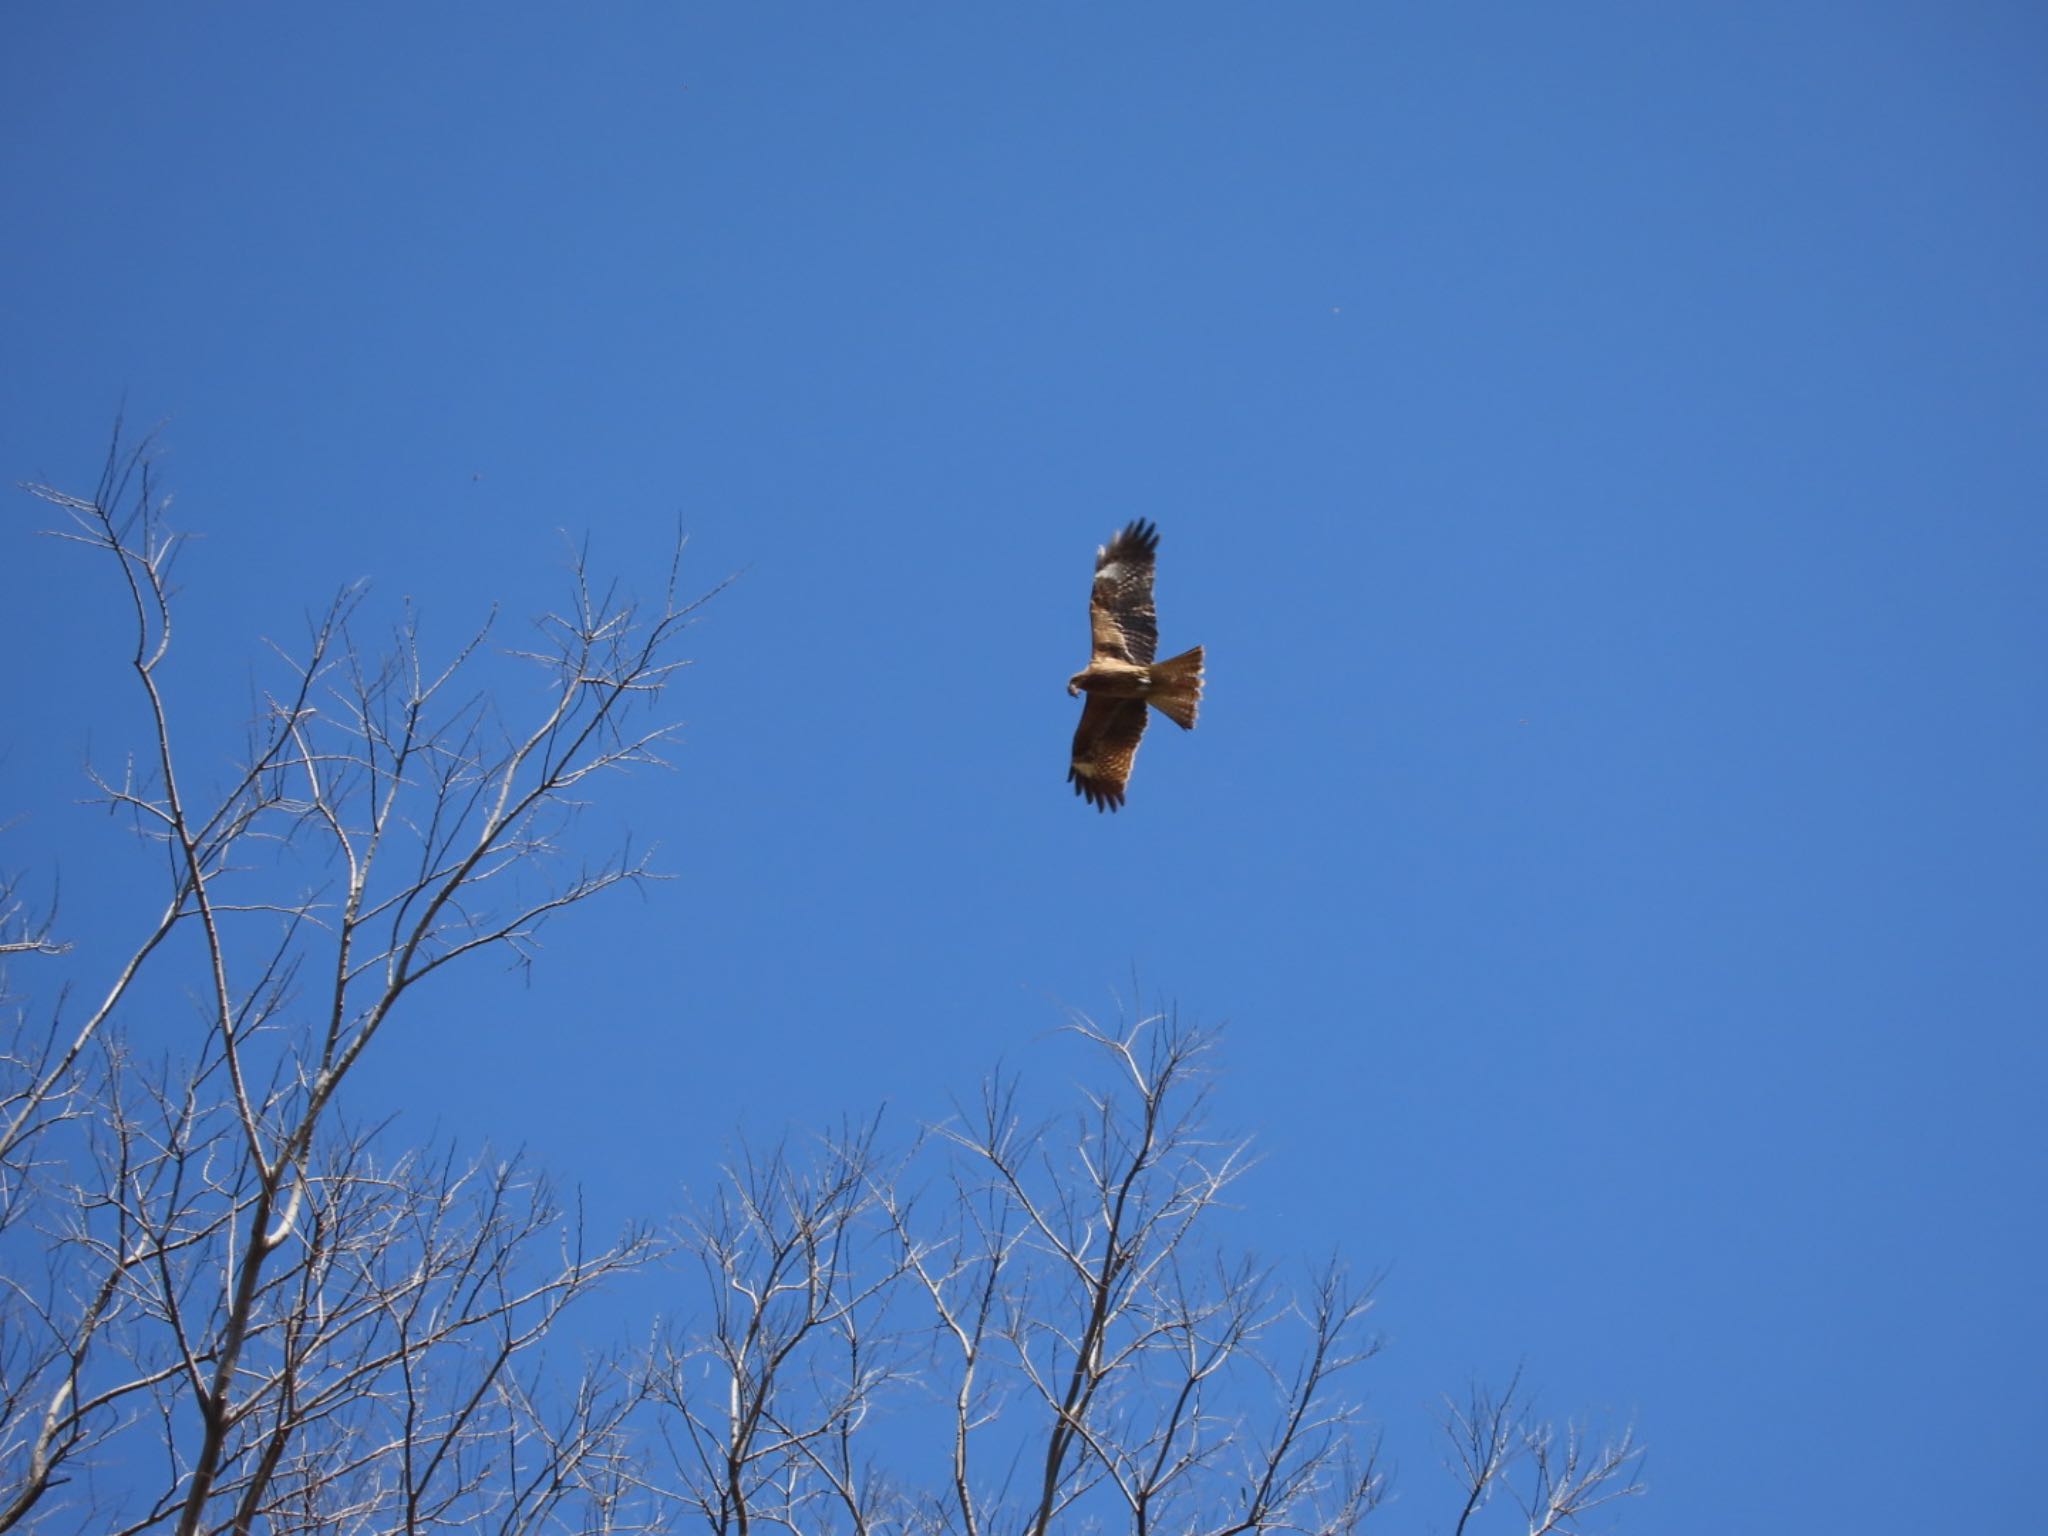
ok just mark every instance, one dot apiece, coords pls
pixel 1177 687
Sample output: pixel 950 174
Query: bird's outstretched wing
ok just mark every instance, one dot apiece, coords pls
pixel 1120 612
pixel 1105 746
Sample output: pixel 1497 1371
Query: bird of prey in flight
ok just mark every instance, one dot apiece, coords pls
pixel 1121 677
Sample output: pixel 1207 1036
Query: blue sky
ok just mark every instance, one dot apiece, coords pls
pixel 1599 445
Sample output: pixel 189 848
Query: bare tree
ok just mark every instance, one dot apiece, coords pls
pixel 1158 1374
pixel 1046 1336
pixel 226 1307
pixel 766 1402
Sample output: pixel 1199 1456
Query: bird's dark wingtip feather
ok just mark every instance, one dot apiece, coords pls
pixel 1137 537
pixel 1102 796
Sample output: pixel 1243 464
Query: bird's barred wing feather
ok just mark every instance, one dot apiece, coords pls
pixel 1124 624
pixel 1105 746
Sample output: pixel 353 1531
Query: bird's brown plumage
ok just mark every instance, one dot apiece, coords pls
pixel 1105 747
pixel 1121 677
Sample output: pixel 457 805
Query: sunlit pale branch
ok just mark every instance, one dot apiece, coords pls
pixel 1494 1436
pixel 1483 1436
pixel 961 1272
pixel 23 930
pixel 1570 1478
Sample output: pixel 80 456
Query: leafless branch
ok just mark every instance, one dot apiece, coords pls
pixel 1495 1440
